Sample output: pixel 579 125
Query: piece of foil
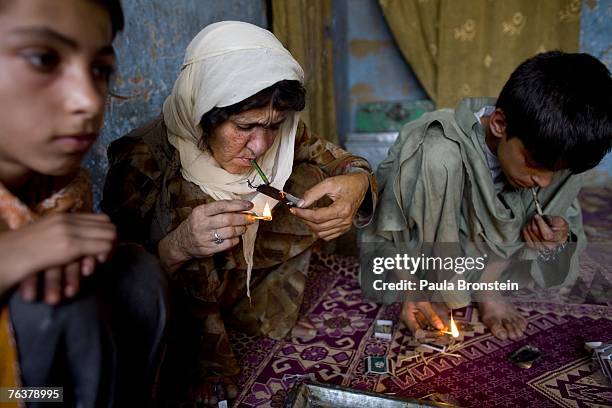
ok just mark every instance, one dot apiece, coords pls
pixel 278 195
pixel 310 394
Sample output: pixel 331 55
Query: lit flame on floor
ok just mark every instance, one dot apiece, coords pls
pixel 454 330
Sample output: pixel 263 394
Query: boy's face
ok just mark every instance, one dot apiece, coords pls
pixel 519 167
pixel 55 62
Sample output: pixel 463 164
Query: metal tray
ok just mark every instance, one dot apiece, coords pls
pixel 310 394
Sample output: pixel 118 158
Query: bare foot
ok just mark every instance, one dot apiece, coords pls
pixel 304 330
pixel 214 389
pixel 502 319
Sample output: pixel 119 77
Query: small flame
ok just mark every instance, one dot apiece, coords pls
pixel 454 330
pixel 267 214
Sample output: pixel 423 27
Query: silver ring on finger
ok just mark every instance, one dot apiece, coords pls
pixel 217 239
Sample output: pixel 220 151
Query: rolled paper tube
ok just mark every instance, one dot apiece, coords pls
pixel 260 171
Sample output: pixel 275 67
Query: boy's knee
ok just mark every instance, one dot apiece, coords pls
pixel 42 330
pixel 442 160
pixel 137 282
pixel 133 269
pixel 36 318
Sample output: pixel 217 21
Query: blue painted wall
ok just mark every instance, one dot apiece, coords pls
pixel 339 27
pixel 596 29
pixel 596 39
pixel 150 51
pixel 377 69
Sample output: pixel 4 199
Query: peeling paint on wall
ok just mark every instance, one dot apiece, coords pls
pixel 362 92
pixel 361 48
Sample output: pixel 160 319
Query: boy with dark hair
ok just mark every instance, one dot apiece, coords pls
pixel 58 328
pixel 469 175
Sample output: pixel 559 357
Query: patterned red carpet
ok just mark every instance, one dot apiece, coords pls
pixel 480 376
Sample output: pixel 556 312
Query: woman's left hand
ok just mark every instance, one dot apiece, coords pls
pixel 346 192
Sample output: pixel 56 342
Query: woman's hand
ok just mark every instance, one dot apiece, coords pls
pixel 210 228
pixel 63 246
pixel 346 192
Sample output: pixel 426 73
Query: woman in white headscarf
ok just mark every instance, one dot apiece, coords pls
pixel 180 186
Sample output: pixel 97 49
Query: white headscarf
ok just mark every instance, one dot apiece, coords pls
pixel 224 64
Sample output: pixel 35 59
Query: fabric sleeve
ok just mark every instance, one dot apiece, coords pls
pixel 564 270
pixel 335 161
pixel 131 189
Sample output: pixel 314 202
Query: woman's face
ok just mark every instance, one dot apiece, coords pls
pixel 245 136
pixel 55 61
